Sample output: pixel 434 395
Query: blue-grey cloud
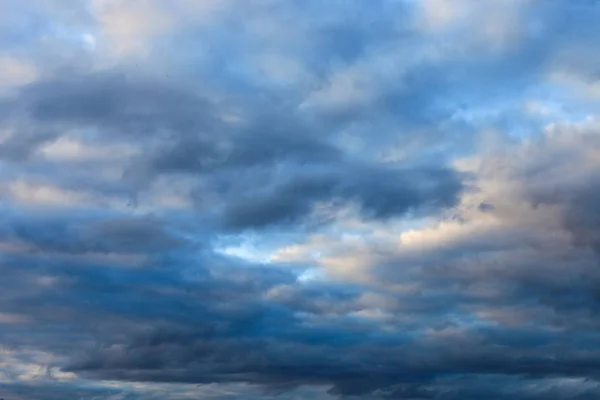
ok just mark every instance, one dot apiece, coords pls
pixel 386 199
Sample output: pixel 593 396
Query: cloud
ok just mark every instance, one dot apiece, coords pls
pixel 299 200
pixel 190 139
pixel 398 195
pixel 130 26
pixel 16 72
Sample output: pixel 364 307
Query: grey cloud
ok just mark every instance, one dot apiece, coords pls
pixel 115 101
pixel 83 235
pixel 380 192
pixel 180 133
pixel 57 391
pixel 22 144
pixel 503 304
pixel 220 327
pixel 266 141
pixel 352 368
pixel 133 235
pixel 581 216
pixel 110 106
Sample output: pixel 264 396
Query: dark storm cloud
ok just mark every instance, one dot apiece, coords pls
pixel 276 352
pixel 229 325
pixel 224 326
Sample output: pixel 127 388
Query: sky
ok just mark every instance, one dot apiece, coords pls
pixel 299 199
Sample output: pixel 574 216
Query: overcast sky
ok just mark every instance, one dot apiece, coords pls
pixel 299 199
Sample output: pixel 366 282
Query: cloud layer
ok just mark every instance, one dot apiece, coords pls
pixel 280 199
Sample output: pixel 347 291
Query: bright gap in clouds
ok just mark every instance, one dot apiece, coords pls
pixel 245 250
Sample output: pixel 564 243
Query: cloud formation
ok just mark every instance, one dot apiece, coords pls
pixel 385 199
